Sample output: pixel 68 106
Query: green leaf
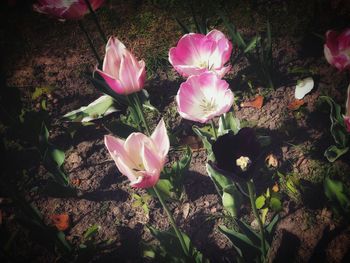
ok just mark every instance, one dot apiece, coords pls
pixel 275 204
pixel 169 241
pixel 205 137
pixel 252 44
pixel 333 152
pixel 99 108
pixel 249 232
pixel 336 192
pixel 228 122
pixel 272 224
pixel 91 231
pixel 240 240
pixel 39 91
pixel 165 189
pixel 337 128
pixel 58 156
pixel 231 199
pixel 260 202
pixel 221 182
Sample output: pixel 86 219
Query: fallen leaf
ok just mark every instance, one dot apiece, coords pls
pixel 60 221
pixel 195 143
pixel 75 181
pixel 295 104
pixel 256 103
pixel 185 210
pixel 271 161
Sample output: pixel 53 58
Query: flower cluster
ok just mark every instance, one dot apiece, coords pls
pixel 202 58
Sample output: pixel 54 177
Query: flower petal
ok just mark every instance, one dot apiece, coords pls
pixel 161 139
pixel 146 180
pixel 113 83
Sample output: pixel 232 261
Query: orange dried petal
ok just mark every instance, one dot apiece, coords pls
pixel 275 188
pixel 60 221
pixel 256 103
pixel 295 104
pixel 75 181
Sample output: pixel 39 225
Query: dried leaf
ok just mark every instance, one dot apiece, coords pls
pixel 295 104
pixel 271 161
pixel 75 181
pixel 256 103
pixel 275 188
pixel 185 210
pixel 60 221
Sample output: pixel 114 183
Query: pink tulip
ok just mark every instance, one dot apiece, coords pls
pixel 198 53
pixel 337 49
pixel 347 114
pixel 121 70
pixel 203 97
pixel 139 157
pixel 65 9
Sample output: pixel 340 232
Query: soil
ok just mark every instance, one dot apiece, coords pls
pixel 42 52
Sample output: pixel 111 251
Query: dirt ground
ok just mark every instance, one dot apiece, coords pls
pixel 41 52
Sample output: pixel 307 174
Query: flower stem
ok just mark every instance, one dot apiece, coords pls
pixel 172 221
pixel 141 113
pixel 256 214
pixel 214 129
pixel 134 110
pixel 223 120
pixel 94 16
pixel 91 44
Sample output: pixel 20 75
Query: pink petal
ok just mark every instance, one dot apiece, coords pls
pixel 128 74
pixel 115 147
pixel 347 122
pixel 113 83
pixel 147 180
pixel 161 139
pixel 133 145
pixel 151 159
pixel 347 105
pixel 111 62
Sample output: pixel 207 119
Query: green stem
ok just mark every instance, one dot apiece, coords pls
pixel 172 221
pixel 91 44
pixel 94 16
pixel 214 129
pixel 256 214
pixel 133 107
pixel 223 120
pixel 141 113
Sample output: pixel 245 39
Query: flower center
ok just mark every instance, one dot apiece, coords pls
pixel 243 162
pixel 208 106
pixel 203 64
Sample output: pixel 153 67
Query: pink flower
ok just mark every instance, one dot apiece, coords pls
pixel 347 114
pixel 203 97
pixel 337 49
pixel 139 157
pixel 65 9
pixel 121 70
pixel 198 53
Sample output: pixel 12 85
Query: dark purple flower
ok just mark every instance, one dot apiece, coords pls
pixel 236 155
